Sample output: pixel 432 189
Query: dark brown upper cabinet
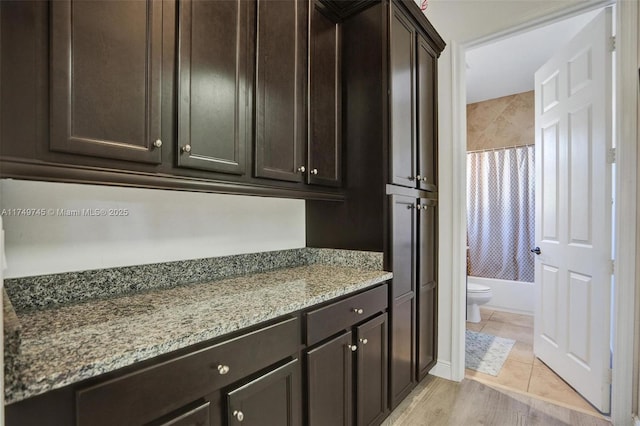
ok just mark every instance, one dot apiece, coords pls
pixel 215 84
pixel 281 73
pixel 413 92
pixel 325 98
pixel 427 128
pixel 105 79
pixel 402 100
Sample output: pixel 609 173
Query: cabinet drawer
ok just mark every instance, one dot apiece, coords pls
pixel 324 322
pixel 149 393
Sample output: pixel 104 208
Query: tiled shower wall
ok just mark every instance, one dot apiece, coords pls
pixel 501 122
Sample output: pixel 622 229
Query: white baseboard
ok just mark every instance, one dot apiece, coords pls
pixel 442 369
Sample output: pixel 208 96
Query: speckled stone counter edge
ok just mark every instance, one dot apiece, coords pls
pixel 12 339
pixel 47 291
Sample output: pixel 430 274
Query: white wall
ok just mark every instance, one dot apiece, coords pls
pixel 459 22
pixel 161 226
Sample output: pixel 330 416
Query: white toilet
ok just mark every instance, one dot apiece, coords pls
pixel 477 294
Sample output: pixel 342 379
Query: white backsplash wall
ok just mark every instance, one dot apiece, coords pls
pixel 161 226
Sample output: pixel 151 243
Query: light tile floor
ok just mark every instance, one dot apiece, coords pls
pixel 522 371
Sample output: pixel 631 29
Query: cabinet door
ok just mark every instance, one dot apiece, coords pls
pixel 427 119
pixel 270 400
pixel 403 255
pixel 105 78
pixel 280 98
pixel 372 372
pixel 214 84
pixel 330 397
pixel 402 353
pixel 427 331
pixel 403 245
pixel 325 99
pixel 402 100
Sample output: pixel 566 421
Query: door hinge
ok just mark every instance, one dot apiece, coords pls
pixel 611 155
pixel 612 43
pixel 613 266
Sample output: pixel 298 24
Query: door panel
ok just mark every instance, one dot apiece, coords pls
pixel 573 211
pixel 270 400
pixel 280 83
pixel 427 304
pixel 427 117
pixel 403 245
pixel 402 100
pixel 371 392
pixel 214 90
pixel 325 99
pixel 402 352
pixel 330 370
pixel 106 78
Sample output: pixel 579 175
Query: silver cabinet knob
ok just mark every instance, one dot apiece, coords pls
pixel 358 311
pixel 302 169
pixel 418 178
pixel 157 143
pixel 223 369
pixel 314 171
pixel 352 347
pixel 364 341
pixel 186 148
pixel 239 415
pixel 424 179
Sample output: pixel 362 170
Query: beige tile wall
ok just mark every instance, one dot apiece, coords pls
pixel 501 122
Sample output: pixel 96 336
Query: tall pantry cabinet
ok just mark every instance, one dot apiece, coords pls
pixel 390 53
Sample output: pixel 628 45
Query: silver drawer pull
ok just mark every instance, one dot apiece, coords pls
pixel 239 415
pixel 364 341
pixel 358 311
pixel 223 369
pixel 352 347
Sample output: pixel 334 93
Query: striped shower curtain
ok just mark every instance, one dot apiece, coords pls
pixel 500 213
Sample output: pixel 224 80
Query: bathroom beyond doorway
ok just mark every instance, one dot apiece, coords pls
pixel 522 371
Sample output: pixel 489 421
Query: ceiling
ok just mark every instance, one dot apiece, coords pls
pixel 507 66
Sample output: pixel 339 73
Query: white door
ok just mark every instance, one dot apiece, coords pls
pixel 573 211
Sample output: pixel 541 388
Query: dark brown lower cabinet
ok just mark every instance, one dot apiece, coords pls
pixel 371 391
pixel 331 382
pixel 413 302
pixel 196 414
pixel 272 399
pixel 329 372
pixel 427 304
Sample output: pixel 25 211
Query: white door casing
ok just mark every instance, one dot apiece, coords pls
pixel 573 119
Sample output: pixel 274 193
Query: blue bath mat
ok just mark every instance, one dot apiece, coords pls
pixel 486 353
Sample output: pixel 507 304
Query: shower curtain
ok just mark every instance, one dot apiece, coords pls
pixel 500 213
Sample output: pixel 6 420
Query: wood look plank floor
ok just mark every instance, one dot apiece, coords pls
pixel 439 402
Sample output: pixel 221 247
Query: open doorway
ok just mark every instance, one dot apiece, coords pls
pixel 500 209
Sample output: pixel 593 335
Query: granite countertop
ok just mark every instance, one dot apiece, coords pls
pixel 67 344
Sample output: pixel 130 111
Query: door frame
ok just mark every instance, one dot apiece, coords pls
pixel 626 185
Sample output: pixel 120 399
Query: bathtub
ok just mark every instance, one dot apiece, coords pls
pixel 509 296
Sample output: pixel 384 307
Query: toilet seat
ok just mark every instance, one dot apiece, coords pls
pixel 477 288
